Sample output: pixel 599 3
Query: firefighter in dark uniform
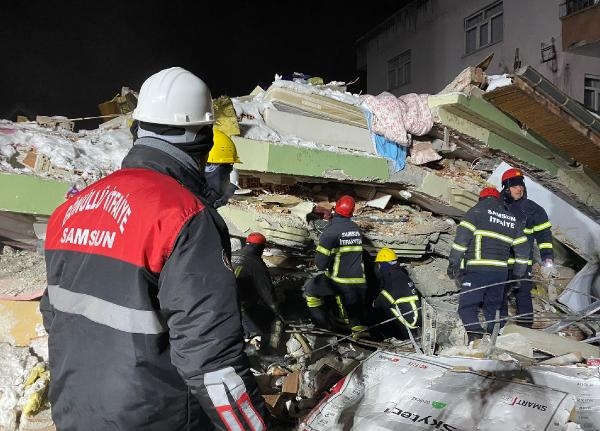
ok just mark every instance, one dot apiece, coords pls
pixel 339 256
pixel 255 287
pixel 398 298
pixel 537 228
pixel 480 255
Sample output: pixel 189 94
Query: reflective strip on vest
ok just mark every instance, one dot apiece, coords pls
pixel 412 300
pixel 237 271
pixel 528 231
pixel 490 234
pixel 512 260
pixel 486 262
pixel 544 245
pixel 467 225
pixel 341 280
pixel 342 309
pixel 314 301
pixel 106 313
pixel 522 261
pixel 539 227
pixel 333 275
pixel 347 249
pixel 455 246
pixel 323 250
pixel 520 240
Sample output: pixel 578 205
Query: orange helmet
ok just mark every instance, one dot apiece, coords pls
pixel 256 238
pixel 489 192
pixel 345 206
pixel 516 175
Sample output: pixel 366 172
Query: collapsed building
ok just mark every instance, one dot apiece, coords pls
pixel 415 165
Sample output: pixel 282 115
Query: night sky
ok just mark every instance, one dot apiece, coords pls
pixel 65 57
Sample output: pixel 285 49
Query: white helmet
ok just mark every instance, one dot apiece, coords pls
pixel 175 97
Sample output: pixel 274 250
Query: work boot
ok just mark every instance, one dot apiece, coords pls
pixel 473 336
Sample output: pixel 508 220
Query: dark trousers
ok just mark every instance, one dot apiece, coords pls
pixel 471 297
pixel 522 293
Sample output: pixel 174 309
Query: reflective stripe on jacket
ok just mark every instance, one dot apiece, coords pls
pixel 537 226
pixel 339 252
pixel 485 237
pixel 399 295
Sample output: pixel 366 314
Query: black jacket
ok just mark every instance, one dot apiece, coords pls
pixel 141 305
pixel 399 295
pixel 485 236
pixel 254 280
pixel 536 222
pixel 339 252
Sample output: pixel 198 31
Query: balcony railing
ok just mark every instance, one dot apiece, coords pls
pixel 571 6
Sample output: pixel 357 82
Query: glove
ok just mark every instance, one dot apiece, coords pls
pixel 255 341
pixel 549 271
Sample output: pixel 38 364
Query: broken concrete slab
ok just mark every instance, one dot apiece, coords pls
pixel 263 156
pixel 552 344
pixel 30 194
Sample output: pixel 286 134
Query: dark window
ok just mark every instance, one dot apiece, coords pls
pixel 591 92
pixel 483 28
pixel 399 70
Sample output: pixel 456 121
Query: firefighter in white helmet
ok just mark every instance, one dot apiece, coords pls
pixel 141 305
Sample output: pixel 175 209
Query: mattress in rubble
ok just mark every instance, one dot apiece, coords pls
pixel 314 105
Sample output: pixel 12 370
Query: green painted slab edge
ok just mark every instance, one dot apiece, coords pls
pixel 271 157
pixel 30 194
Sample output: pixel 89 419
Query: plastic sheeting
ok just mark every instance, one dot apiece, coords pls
pixel 394 392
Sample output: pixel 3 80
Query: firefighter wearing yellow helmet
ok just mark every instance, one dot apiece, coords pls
pixel 398 297
pixel 219 167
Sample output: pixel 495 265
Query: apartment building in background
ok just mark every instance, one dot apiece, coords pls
pixel 424 45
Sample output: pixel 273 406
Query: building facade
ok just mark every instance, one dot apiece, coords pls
pixel 424 45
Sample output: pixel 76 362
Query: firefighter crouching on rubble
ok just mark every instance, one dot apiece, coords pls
pixel 339 256
pixel 219 166
pixel 537 228
pixel 398 298
pixel 483 242
pixel 255 287
pixel 141 304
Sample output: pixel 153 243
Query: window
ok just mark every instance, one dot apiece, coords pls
pixel 399 70
pixel 483 28
pixel 591 93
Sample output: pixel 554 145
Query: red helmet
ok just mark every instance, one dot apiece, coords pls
pixel 489 192
pixel 510 174
pixel 345 206
pixel 256 238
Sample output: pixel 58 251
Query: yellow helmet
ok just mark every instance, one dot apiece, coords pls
pixel 223 150
pixel 386 255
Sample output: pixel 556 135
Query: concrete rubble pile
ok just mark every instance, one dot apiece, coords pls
pixel 302 147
